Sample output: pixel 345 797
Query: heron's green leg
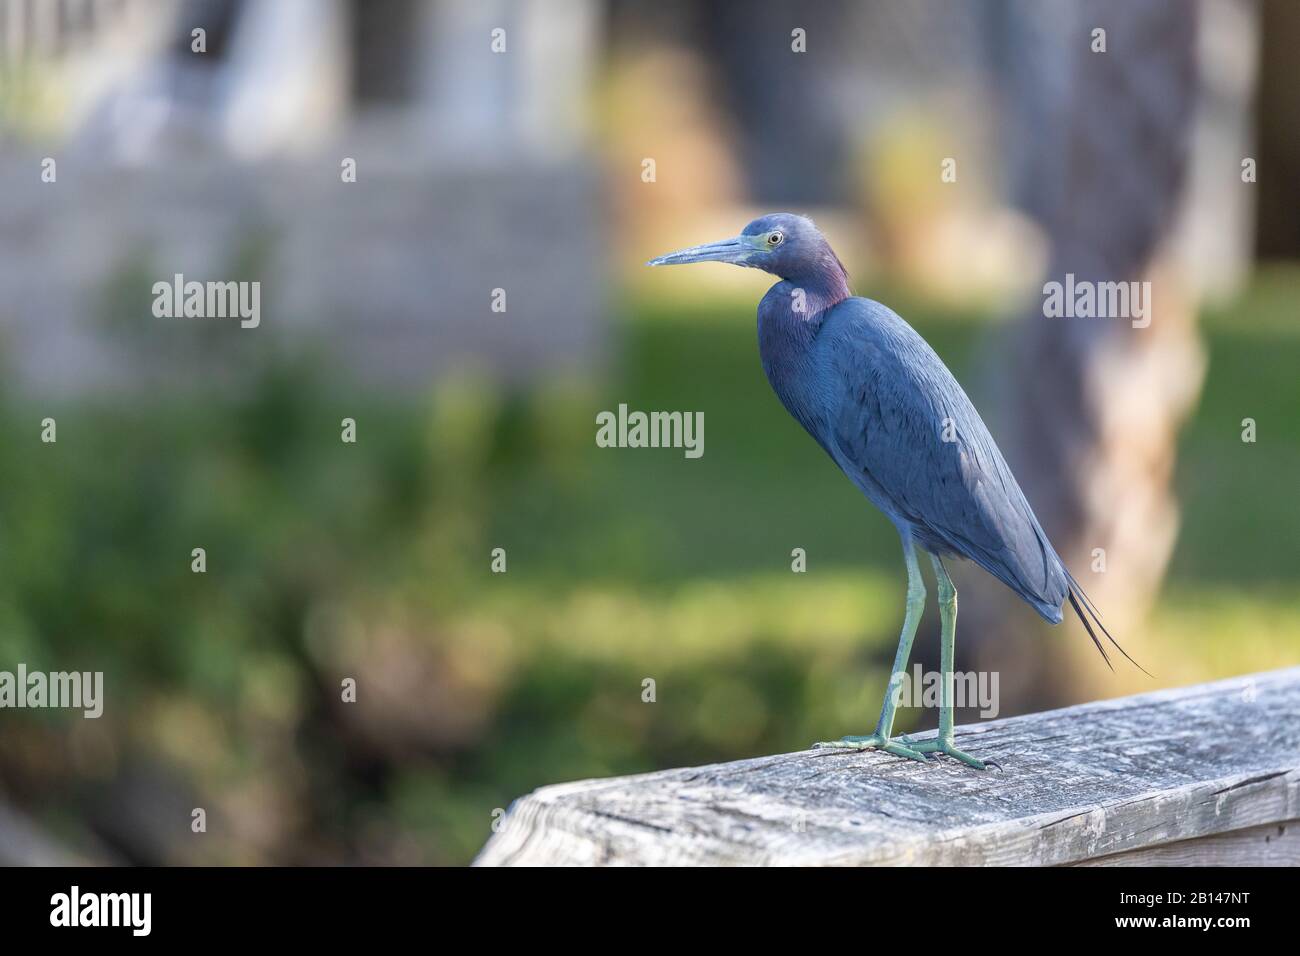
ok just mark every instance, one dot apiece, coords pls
pixel 943 743
pixel 911 618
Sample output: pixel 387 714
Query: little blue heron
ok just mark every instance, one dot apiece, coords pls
pixel 886 409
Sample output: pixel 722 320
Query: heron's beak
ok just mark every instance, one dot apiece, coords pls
pixel 735 250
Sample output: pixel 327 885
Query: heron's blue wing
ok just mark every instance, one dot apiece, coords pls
pixel 902 428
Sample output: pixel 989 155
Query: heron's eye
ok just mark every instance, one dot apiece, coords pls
pixel 774 239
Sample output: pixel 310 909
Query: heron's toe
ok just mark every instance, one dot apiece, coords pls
pixel 948 748
pixel 872 742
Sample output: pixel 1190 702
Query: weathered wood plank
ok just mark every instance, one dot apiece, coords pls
pixel 1101 779
pixel 1273 844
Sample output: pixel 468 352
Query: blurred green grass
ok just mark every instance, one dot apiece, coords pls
pixel 1241 521
pixel 328 560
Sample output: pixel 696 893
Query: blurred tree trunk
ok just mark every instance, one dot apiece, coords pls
pixel 1279 133
pixel 1091 407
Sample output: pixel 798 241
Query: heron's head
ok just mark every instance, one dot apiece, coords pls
pixel 782 243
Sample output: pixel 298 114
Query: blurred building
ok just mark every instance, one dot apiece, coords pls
pixel 223 156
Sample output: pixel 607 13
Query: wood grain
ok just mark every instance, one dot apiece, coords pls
pixel 1097 780
pixel 1273 844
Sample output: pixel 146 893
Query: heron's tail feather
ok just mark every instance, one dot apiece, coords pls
pixel 1088 616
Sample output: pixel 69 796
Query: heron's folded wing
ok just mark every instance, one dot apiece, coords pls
pixel 901 424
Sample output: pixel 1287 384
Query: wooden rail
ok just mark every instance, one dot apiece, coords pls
pixel 1204 774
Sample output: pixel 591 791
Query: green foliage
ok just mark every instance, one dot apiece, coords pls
pixel 327 560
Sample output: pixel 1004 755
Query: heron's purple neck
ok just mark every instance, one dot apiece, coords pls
pixel 823 282
pixel 789 318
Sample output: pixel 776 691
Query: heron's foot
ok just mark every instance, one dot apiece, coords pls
pixel 942 745
pixel 873 742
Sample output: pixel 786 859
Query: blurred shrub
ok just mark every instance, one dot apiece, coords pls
pixel 328 560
